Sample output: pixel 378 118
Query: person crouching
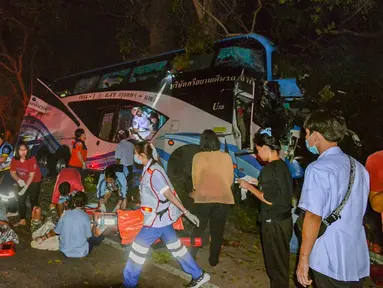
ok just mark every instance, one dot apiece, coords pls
pixel 74 228
pixel 112 181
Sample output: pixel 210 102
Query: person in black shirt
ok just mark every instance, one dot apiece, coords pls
pixel 275 190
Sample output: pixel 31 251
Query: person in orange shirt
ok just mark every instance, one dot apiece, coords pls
pixel 79 152
pixel 374 166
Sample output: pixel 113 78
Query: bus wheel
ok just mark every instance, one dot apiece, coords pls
pixel 43 157
pixel 61 160
pixel 179 170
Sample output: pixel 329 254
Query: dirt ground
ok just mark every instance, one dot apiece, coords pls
pixel 102 268
pixel 239 267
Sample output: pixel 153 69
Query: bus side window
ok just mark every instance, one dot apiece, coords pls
pixel 148 71
pixel 85 85
pixel 106 126
pixel 113 78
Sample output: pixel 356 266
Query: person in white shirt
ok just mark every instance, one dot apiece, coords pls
pixel 124 156
pixel 141 125
pixel 339 258
pixel 124 153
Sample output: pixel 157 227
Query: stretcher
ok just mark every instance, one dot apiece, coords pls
pixel 129 223
pixel 7 249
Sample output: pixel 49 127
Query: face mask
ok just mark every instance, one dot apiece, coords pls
pixel 312 149
pixel 137 160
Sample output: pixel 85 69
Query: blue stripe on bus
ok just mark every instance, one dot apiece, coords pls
pixel 48 140
pixel 99 157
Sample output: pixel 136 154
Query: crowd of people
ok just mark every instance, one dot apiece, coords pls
pixel 333 248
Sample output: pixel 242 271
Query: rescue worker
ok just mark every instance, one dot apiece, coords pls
pixel 141 124
pixel 5 152
pixel 6 181
pixel 68 182
pixel 79 152
pixel 111 181
pixel 161 208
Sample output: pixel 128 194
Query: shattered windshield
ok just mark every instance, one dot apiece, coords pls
pixel 238 57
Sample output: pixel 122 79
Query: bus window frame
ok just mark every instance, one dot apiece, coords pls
pixel 114 121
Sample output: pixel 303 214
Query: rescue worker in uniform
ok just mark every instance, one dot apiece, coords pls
pixel 112 180
pixel 141 124
pixel 6 181
pixel 5 152
pixel 79 152
pixel 161 208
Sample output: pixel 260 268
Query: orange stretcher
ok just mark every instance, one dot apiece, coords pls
pixel 7 249
pixel 130 222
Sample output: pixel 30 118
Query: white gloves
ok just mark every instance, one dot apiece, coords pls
pixel 118 207
pixel 192 218
pixel 103 208
pixel 21 182
pixel 22 191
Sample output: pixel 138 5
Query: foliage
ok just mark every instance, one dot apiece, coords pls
pixel 90 183
pixel 161 257
pixel 245 217
pixel 197 43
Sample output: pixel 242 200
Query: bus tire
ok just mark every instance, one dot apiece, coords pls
pixel 179 171
pixel 59 160
pixel 63 157
pixel 43 158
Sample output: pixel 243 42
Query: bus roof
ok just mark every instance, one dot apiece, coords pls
pixel 269 47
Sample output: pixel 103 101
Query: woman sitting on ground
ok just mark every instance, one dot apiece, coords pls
pixel 74 228
pixel 43 234
pixel 6 233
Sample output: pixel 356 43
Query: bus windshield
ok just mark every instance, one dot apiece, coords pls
pixel 239 57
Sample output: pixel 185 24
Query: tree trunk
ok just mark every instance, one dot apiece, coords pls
pixel 205 12
pixel 211 27
pixel 162 32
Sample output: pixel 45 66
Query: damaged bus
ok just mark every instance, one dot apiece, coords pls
pixel 230 90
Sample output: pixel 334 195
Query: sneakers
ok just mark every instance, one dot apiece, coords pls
pixel 198 282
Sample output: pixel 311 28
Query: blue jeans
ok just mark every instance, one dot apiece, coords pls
pixel 140 248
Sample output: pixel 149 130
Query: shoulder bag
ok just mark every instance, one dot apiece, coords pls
pixel 335 215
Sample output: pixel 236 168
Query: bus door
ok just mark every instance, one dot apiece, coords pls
pixel 244 127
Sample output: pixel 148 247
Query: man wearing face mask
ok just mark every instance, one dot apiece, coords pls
pixel 338 258
pixel 112 181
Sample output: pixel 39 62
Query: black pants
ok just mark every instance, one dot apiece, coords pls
pixel 216 213
pixel 95 241
pixel 323 281
pixel 81 171
pixel 276 238
pixel 33 192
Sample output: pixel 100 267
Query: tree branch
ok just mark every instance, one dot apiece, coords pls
pixel 356 34
pixel 255 15
pixel 212 16
pixel 7 68
pixel 354 14
pixel 11 61
pixel 236 17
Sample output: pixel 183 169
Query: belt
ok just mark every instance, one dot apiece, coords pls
pixel 280 217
